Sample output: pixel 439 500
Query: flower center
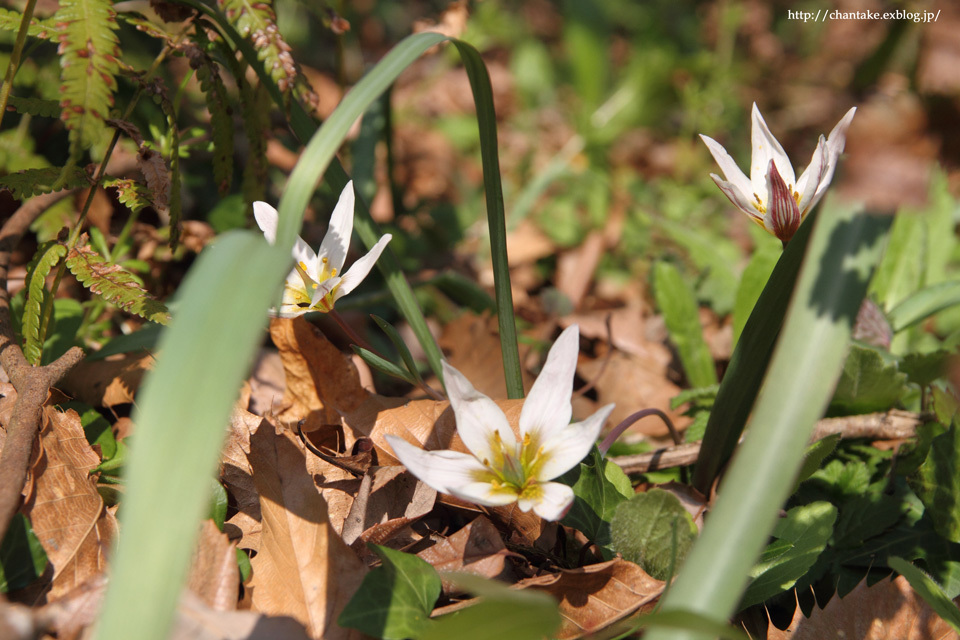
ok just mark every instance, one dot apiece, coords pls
pixel 515 471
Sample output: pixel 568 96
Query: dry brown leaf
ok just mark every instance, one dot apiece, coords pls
pixel 633 383
pixel 476 548
pixel 214 575
pixel 472 345
pixel 64 507
pixel 527 244
pixel 575 268
pixel 236 475
pixel 888 610
pixel 303 568
pixel 196 621
pixel 267 383
pixel 596 596
pixel 452 23
pixel 321 381
pixel 108 382
pixel 387 493
pixel 77 609
pixel 628 332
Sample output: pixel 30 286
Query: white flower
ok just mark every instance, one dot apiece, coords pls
pixel 772 196
pixel 315 283
pixel 502 470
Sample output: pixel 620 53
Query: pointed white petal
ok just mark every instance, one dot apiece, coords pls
pixel 478 418
pixel 291 311
pixel 266 217
pixel 739 199
pixel 731 171
pixel 484 493
pixel 812 176
pixel 765 149
pixel 547 409
pixel 305 257
pixel 445 471
pixel 835 143
pixel 567 448
pixel 337 241
pixel 553 502
pixel 783 214
pixel 359 269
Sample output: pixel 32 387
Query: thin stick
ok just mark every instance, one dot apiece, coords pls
pixel 634 417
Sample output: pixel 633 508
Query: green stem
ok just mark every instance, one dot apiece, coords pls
pixel 14 63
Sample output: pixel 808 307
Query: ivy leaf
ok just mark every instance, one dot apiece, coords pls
pixel 937 483
pixel 599 486
pixel 868 383
pixel 394 601
pixel 800 538
pixel 653 530
pixel 114 284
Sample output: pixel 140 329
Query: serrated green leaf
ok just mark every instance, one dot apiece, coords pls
pixel 88 63
pixel 31 182
pixel 34 106
pixel 678 305
pixel 816 454
pixel 46 258
pixel 115 285
pixel 221 122
pixel 131 193
pixel 929 590
pixel 937 483
pixel 923 368
pixel 394 601
pixel 653 530
pixel 599 486
pixel 501 613
pixel 22 558
pixel 801 537
pixel 39 28
pixel 867 383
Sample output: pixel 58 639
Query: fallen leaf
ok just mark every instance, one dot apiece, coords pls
pixel 303 568
pixel 575 268
pixel 596 596
pixel 472 345
pixel 108 382
pixel 321 381
pixel 888 610
pixel 452 23
pixel 197 621
pixel 237 477
pixel 64 507
pixel 476 548
pixel 387 493
pixel 526 243
pixel 267 382
pixel 214 575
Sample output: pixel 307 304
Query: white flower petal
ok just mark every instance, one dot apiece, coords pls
pixel 835 143
pixel 547 408
pixel 445 471
pixel 812 176
pixel 478 418
pixel 322 290
pixel 739 199
pixel 731 171
pixel 484 493
pixel 359 269
pixel 569 447
pixel 267 218
pixel 765 149
pixel 337 241
pixel 554 501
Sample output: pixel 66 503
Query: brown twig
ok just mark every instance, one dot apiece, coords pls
pixel 32 383
pixel 889 425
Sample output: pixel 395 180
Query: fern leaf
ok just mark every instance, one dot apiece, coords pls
pixel 44 260
pixel 254 105
pixel 114 284
pixel 255 19
pixel 132 194
pixel 88 63
pixel 221 122
pixel 34 106
pixel 30 182
pixel 39 28
pixel 173 204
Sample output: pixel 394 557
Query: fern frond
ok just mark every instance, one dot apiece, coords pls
pixel 44 260
pixel 174 204
pixel 114 284
pixel 255 19
pixel 34 106
pixel 39 28
pixel 221 122
pixel 132 194
pixel 31 182
pixel 88 63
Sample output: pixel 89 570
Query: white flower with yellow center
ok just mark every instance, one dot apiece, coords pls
pixel 316 283
pixel 773 197
pixel 502 470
